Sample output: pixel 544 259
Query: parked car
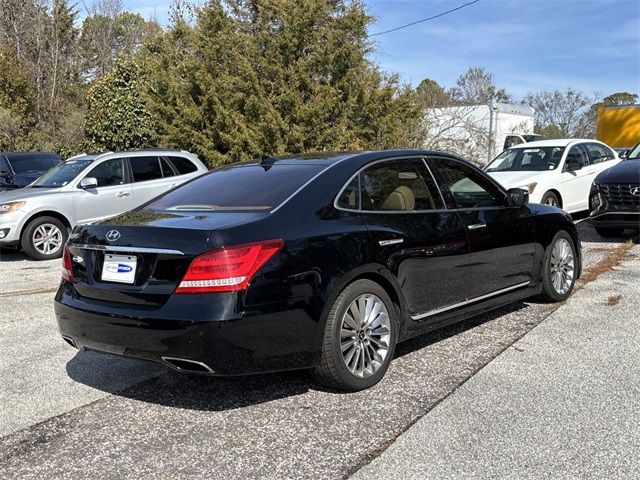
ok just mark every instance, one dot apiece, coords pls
pixel 320 261
pixel 88 189
pixel 615 197
pixel 20 169
pixel 555 172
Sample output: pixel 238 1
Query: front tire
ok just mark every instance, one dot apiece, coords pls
pixel 559 269
pixel 608 232
pixel 359 338
pixel 550 198
pixel 43 238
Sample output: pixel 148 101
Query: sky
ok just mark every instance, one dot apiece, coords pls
pixel 529 45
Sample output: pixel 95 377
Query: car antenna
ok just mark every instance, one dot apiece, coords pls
pixel 267 162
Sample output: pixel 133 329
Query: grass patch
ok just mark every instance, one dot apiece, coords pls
pixel 614 300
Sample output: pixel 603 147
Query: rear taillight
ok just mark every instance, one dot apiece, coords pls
pixel 67 266
pixel 227 269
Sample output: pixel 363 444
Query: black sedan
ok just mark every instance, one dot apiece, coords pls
pixel 321 261
pixel 614 200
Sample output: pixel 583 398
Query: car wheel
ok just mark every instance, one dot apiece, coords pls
pixel 550 198
pixel 359 338
pixel 609 232
pixel 44 238
pixel 559 275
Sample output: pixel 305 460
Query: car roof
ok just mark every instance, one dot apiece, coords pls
pixel 560 142
pixel 330 158
pixel 11 155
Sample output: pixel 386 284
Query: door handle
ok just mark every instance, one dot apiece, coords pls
pixel 477 226
pixel 393 241
pixel 173 185
pixel 122 194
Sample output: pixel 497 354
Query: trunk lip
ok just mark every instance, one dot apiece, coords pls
pixel 125 249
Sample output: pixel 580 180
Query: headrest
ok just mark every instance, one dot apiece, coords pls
pixel 402 198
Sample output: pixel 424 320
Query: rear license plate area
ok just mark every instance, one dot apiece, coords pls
pixel 119 268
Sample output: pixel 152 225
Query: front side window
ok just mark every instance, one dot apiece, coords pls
pixel 108 173
pixel 468 187
pixel 576 155
pixel 599 153
pixel 399 185
pixel 145 168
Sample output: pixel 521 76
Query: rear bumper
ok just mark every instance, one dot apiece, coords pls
pixel 250 344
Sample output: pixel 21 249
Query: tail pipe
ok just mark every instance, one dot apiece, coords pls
pixel 188 366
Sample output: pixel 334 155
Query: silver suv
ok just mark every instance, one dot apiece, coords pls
pixel 88 189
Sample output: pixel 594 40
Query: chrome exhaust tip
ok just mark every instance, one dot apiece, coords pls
pixel 187 366
pixel 71 342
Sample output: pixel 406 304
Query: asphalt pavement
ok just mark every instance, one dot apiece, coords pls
pixel 69 414
pixel 562 402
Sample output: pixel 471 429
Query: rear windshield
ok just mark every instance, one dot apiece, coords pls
pixel 33 163
pixel 238 187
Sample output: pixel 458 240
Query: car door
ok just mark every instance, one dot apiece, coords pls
pixel 575 184
pixel 152 176
pixel 501 237
pixel 111 196
pixel 424 245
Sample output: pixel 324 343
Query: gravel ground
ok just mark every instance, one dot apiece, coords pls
pixel 97 416
pixel 562 402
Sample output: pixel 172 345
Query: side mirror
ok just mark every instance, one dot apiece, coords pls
pixel 88 182
pixel 517 197
pixel 623 154
pixel 573 165
pixel 4 174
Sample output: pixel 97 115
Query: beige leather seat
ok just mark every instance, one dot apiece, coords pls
pixel 402 198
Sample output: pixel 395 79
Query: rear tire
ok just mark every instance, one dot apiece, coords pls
pixel 43 238
pixel 550 198
pixel 609 232
pixel 357 350
pixel 559 268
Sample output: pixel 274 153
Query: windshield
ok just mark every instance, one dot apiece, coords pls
pixel 634 153
pixel 33 163
pixel 62 174
pixel 527 160
pixel 238 187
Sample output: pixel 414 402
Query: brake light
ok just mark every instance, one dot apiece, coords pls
pixel 228 269
pixel 67 266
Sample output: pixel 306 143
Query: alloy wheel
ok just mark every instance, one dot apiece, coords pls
pixel 47 239
pixel 365 335
pixel 562 266
pixel 551 201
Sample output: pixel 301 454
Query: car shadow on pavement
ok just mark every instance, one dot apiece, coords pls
pixel 198 392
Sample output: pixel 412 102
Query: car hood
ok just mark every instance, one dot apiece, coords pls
pixel 27 193
pixel 517 179
pixel 627 171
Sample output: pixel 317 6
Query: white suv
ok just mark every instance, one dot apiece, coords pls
pixel 88 189
pixel 555 172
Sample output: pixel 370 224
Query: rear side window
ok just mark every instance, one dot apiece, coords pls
pixel 599 153
pixel 145 168
pixel 238 187
pixel 33 163
pixel 399 185
pixel 167 171
pixel 183 166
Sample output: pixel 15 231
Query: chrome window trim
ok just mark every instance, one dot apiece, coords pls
pixel 344 187
pixel 118 248
pixel 468 301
